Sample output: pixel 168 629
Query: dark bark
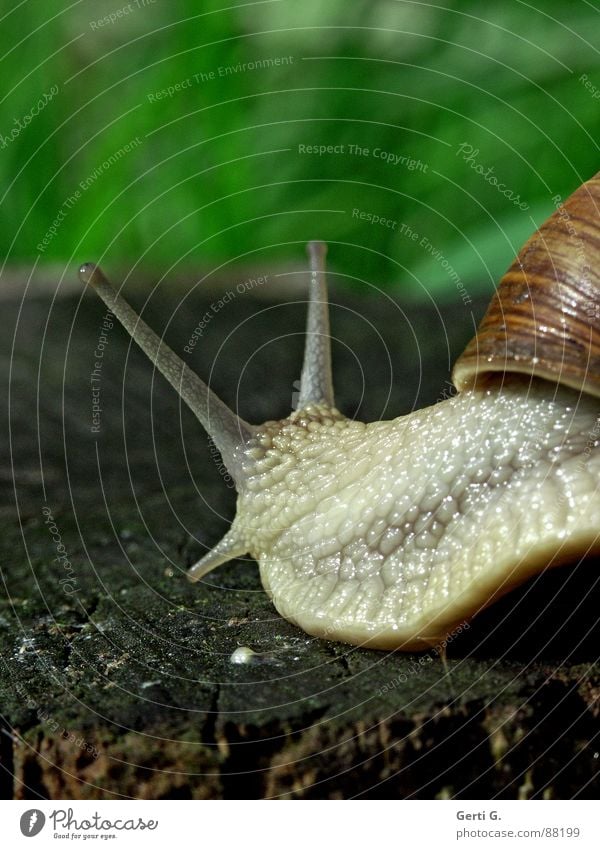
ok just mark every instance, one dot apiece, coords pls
pixel 116 678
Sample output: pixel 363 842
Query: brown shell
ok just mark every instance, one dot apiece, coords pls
pixel 544 319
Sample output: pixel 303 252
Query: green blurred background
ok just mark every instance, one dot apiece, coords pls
pixel 113 167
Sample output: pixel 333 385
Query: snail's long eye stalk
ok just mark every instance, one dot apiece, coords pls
pixel 227 430
pixel 316 385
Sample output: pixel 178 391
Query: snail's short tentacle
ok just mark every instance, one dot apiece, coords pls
pixel 316 385
pixel 228 431
pixel 230 547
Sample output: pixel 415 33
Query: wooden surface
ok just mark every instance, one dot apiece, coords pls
pixel 118 681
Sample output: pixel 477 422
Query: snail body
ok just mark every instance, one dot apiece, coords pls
pixel 404 529
pixel 392 533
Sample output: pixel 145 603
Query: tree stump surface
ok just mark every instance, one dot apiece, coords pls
pixel 116 672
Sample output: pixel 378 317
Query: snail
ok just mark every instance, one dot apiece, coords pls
pixel 391 534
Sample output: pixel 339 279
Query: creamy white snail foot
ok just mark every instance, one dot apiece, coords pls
pixel 391 534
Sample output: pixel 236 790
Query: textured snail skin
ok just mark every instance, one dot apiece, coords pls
pixel 391 533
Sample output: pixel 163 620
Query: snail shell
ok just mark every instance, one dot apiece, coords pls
pixel 544 319
pixel 393 534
